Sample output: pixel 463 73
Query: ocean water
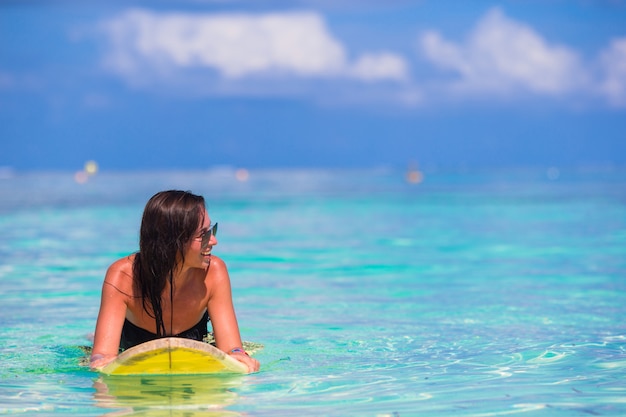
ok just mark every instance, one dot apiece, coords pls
pixel 471 294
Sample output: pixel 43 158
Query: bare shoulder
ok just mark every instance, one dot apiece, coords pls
pixel 120 275
pixel 217 264
pixel 217 272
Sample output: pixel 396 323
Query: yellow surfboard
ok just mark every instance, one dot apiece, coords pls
pixel 173 355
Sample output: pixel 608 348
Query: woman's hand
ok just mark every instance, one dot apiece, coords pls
pixel 252 364
pixel 99 361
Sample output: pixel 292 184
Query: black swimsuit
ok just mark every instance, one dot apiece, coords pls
pixel 133 335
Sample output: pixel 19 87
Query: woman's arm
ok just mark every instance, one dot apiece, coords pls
pixel 110 318
pixel 223 318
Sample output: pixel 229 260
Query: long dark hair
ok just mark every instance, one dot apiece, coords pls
pixel 169 222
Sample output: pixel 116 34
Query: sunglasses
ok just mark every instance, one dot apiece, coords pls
pixel 205 237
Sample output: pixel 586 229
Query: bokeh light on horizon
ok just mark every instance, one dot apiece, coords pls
pixel 90 169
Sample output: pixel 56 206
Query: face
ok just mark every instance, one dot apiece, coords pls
pixel 202 244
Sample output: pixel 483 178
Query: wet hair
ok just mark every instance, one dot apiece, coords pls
pixel 170 220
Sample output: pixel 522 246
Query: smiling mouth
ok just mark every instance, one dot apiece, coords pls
pixel 206 253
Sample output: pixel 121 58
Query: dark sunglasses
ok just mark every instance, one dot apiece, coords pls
pixel 205 237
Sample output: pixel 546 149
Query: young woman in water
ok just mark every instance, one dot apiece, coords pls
pixel 172 287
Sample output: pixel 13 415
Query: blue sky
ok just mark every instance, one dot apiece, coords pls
pixel 280 84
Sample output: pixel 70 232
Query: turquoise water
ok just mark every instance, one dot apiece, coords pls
pixel 474 294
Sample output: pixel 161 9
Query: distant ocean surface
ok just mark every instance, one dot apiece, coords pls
pixel 477 293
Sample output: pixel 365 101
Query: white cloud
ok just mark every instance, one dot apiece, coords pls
pixel 502 56
pixel 236 46
pixel 380 66
pixel 613 62
pixel 286 53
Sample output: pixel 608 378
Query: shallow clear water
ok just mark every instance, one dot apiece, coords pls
pixel 474 294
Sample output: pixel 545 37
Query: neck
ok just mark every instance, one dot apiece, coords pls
pixel 181 275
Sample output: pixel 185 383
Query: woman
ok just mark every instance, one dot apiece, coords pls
pixel 171 286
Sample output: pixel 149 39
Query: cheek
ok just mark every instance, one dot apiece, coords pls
pixel 189 249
